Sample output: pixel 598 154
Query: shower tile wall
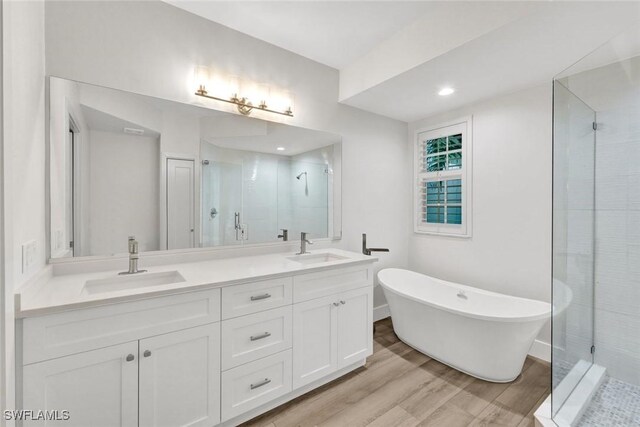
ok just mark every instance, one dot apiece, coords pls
pixel 617 334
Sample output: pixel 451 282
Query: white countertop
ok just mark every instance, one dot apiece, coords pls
pixel 54 293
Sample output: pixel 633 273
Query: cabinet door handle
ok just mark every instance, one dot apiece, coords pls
pixel 260 384
pixel 342 302
pixel 259 297
pixel 146 353
pixel 130 357
pixel 259 337
pixel 336 304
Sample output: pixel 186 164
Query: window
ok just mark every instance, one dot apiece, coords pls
pixel 443 174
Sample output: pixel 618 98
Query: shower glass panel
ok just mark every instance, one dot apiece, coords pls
pixel 221 200
pixel 573 241
pixel 596 244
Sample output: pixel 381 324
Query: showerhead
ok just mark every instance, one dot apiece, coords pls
pixel 300 176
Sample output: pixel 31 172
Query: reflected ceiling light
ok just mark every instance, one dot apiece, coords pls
pixel 280 148
pixel 446 91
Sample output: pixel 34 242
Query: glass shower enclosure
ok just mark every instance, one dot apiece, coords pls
pixel 596 238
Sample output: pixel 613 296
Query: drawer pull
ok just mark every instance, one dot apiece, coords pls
pixel 260 384
pixel 259 337
pixel 259 297
pixel 147 353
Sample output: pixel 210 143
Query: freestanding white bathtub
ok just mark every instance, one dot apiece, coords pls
pixel 481 333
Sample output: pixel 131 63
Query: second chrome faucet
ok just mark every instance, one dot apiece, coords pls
pixel 303 243
pixel 133 257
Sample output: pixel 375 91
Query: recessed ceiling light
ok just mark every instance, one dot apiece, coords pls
pixel 280 148
pixel 446 91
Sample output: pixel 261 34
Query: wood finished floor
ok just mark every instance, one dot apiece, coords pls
pixel 399 386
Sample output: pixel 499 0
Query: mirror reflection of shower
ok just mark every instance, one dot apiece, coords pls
pixel 306 182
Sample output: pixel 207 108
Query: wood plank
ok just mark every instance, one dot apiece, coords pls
pixel 513 404
pixel 394 417
pixel 446 383
pixel 529 420
pixel 497 414
pixel 350 392
pixel 479 394
pixel 448 415
pixel 524 392
pixel 363 411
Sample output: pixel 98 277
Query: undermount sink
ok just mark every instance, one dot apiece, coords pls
pixel 316 258
pixel 133 281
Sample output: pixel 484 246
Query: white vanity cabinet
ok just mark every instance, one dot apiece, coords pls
pixel 199 358
pixel 167 380
pixel 162 377
pixel 330 333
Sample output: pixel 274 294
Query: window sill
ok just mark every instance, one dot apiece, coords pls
pixel 437 233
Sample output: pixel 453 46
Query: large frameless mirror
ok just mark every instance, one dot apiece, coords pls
pixel 179 176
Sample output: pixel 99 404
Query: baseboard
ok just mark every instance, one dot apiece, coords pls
pixel 541 350
pixel 381 312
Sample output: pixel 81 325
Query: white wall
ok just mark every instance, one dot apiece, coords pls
pixel 125 177
pixel 153 48
pixel 510 250
pixel 23 157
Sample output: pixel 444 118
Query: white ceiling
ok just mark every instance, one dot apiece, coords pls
pixel 293 139
pixel 334 33
pixel 104 122
pixel 394 56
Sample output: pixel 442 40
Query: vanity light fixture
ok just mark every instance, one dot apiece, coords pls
pixel 245 107
pixel 446 91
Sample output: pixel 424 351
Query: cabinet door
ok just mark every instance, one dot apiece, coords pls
pixel 180 378
pixel 355 326
pixel 98 388
pixel 314 339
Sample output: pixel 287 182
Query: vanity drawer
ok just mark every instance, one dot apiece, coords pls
pixel 250 298
pixel 329 282
pixel 75 331
pixel 247 338
pixel 254 384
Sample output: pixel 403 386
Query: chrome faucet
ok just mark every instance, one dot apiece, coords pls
pixel 303 243
pixel 133 257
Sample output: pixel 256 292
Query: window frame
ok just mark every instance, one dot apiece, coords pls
pixel 462 126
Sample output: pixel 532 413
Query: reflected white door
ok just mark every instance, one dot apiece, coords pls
pixel 180 204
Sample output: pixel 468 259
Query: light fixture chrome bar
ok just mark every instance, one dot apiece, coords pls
pixel 244 106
